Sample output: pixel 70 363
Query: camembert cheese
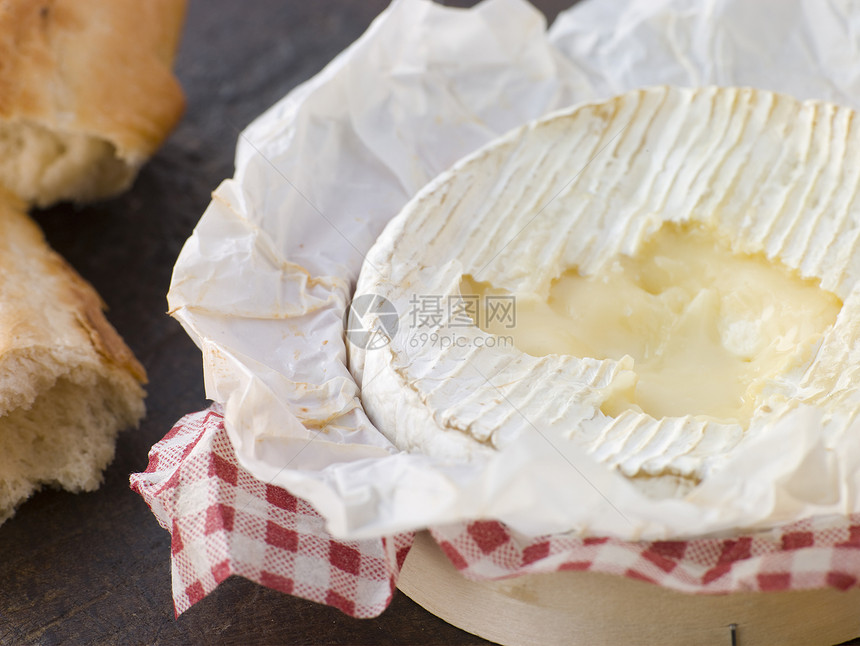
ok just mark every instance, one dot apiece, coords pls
pixel 707 329
pixel 658 278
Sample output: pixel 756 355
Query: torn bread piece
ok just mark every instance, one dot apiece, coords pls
pixel 68 382
pixel 86 94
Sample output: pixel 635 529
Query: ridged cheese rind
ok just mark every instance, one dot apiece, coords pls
pixel 768 173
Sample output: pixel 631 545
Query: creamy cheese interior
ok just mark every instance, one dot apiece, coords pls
pixel 706 328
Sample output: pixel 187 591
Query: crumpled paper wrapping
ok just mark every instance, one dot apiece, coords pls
pixel 262 284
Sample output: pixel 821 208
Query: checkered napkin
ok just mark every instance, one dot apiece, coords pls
pixel 224 521
pixel 802 556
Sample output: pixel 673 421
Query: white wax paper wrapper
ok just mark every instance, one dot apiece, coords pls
pixel 262 284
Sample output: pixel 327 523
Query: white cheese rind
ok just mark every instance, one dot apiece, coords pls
pixel 770 174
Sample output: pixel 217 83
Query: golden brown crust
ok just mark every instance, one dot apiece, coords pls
pixel 68 383
pixel 86 96
pixel 44 303
pixel 100 67
pixel 96 68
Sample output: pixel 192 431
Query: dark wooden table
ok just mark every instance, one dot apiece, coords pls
pixel 95 568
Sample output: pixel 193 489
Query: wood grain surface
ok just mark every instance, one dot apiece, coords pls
pixel 95 568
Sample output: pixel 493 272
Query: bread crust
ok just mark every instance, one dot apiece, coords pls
pixel 86 97
pixel 68 382
pixel 91 68
pixel 44 301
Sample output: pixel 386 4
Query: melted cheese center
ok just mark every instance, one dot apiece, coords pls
pixel 706 328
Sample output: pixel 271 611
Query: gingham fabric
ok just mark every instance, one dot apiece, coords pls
pixel 800 556
pixel 223 521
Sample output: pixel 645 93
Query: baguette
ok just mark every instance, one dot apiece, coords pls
pixel 68 382
pixel 87 94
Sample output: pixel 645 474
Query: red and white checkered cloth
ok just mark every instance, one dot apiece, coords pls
pixel 224 521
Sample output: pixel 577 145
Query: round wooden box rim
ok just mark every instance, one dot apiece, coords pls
pixel 591 609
